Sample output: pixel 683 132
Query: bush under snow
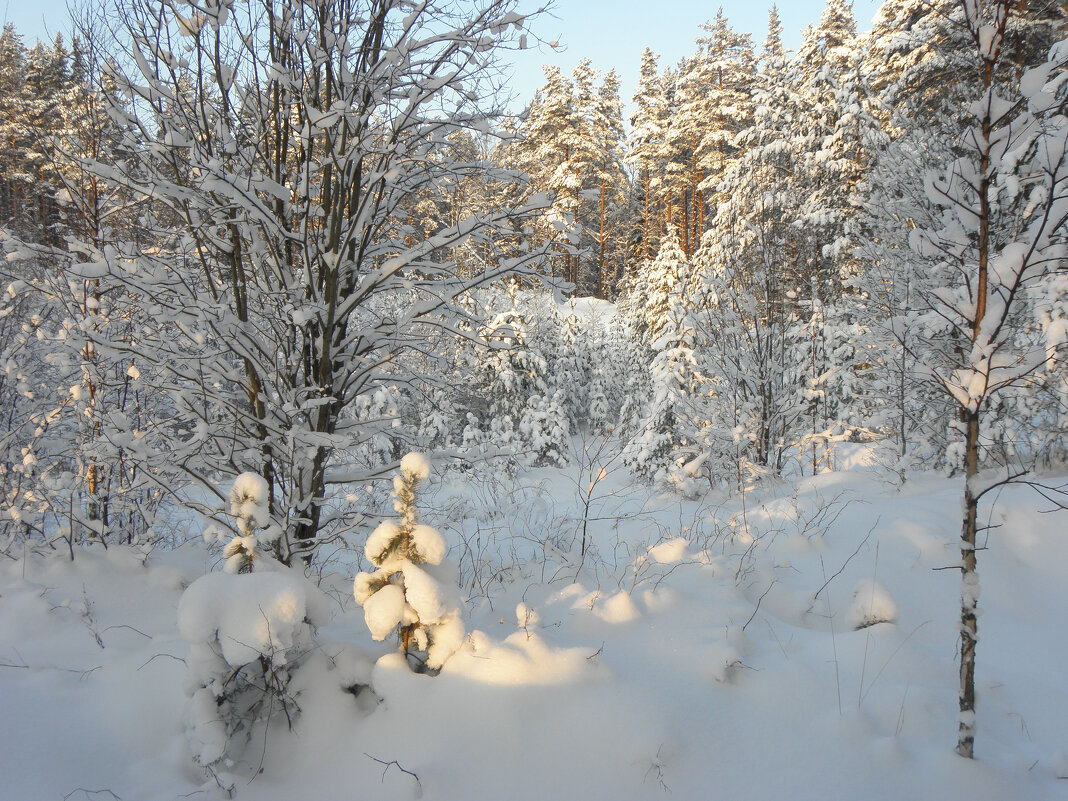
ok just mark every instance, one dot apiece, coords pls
pixel 871 604
pixel 247 634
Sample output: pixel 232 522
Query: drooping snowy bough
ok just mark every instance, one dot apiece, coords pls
pixel 413 591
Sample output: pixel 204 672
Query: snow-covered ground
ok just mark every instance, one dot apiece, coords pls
pixel 701 650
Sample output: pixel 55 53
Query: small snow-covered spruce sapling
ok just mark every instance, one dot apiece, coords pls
pixel 413 592
pixel 249 506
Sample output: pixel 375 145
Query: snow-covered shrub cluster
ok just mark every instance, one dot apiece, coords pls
pixel 248 628
pixel 247 636
pixel 525 377
pixel 61 478
pixel 413 590
pixel 871 604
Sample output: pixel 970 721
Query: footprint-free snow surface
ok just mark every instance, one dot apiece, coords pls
pixel 801 645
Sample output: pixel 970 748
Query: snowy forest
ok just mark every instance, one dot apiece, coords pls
pixel 367 429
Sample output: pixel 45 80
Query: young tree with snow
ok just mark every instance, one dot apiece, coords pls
pixel 667 443
pixel 521 413
pixel 921 63
pixel 412 592
pixel 1000 237
pixel 249 629
pixel 658 280
pixel 284 150
pixel 249 507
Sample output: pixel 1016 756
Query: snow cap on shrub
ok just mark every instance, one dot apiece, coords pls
pixel 871 604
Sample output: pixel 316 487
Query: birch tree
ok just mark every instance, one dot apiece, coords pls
pixel 1000 243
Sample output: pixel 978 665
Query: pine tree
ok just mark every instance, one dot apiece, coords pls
pixel 612 188
pixel 831 140
pixel 666 444
pixel 14 178
pixel 572 369
pixel 660 279
pixel 729 69
pixel 552 154
pixel 744 297
pixel 648 124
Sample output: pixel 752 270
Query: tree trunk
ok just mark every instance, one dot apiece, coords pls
pixel 602 273
pixel 969 629
pixel 969 582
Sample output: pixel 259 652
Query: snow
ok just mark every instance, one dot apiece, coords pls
pixel 588 309
pixel 522 659
pixel 249 615
pixel 871 604
pixel 662 667
pixel 379 541
pixel 424 594
pixel 429 544
pixel 671 551
pixel 384 610
pixel 617 608
pixel 447 635
pixel 415 466
pixel 249 502
pixel 207 730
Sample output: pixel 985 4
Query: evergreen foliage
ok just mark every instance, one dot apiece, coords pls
pixel 412 592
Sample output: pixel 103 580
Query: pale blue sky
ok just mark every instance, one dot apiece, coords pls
pixel 612 33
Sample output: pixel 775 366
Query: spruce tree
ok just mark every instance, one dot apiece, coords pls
pixel 412 591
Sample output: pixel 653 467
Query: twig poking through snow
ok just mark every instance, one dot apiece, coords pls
pixel 131 628
pixel 845 564
pixel 757 609
pixel 657 765
pixel 24 666
pixel 394 763
pixel 157 656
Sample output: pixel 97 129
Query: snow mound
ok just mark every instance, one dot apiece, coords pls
pixel 522 659
pixel 251 614
pixel 720 660
pixel 670 552
pixel 618 608
pixel 871 604
pixel 1060 765
pixel 587 309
